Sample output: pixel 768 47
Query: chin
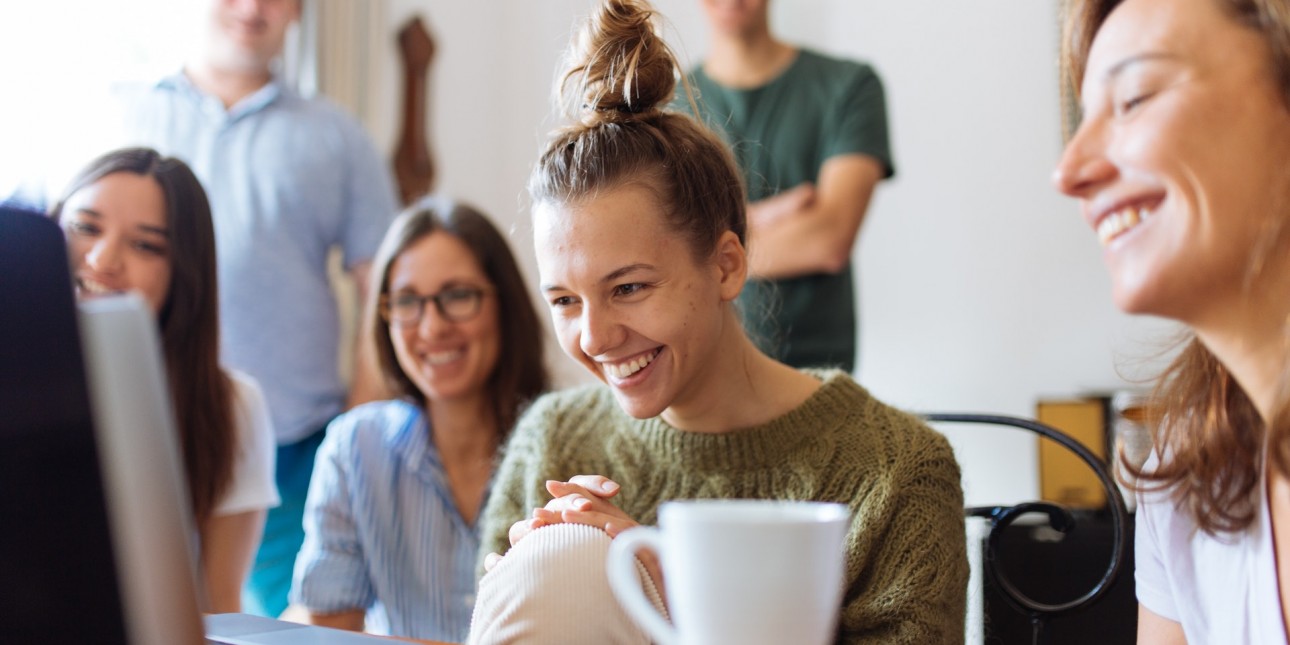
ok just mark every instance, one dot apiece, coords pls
pixel 637 407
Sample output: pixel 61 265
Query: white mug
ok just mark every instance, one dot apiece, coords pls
pixel 738 571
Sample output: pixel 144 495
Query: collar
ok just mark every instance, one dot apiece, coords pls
pixel 254 102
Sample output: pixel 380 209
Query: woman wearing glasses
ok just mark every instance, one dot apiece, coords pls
pixel 390 523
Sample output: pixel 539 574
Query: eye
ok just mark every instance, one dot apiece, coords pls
pixel 628 289
pixel 405 300
pixel 563 301
pixel 1125 107
pixel 151 248
pixel 82 228
pixel 459 294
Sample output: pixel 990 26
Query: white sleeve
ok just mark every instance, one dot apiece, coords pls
pixel 1150 555
pixel 252 485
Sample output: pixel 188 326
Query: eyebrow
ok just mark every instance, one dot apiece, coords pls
pixel 609 277
pixel 1118 68
pixel 616 274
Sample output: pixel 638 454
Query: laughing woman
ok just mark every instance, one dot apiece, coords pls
pixel 136 221
pixel 1182 166
pixel 391 529
pixel 639 223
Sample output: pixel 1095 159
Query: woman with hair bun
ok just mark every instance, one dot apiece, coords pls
pixel 639 224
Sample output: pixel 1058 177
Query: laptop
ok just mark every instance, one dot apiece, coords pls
pixel 99 545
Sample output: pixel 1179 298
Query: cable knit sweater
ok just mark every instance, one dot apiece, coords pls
pixel 907 571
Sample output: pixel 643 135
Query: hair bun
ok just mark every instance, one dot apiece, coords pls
pixel 619 66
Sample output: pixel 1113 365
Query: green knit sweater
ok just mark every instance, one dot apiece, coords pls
pixel 907 569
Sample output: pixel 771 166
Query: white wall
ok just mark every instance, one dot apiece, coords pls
pixel 981 288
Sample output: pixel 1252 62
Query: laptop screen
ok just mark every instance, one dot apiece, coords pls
pixel 58 578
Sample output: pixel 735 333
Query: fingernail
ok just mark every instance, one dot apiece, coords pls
pixel 609 486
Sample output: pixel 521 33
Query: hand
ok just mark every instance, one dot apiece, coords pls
pixel 764 212
pixel 584 500
pixel 581 500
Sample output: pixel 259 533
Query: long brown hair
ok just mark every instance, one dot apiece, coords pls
pixel 620 75
pixel 520 374
pixel 1206 428
pixel 200 391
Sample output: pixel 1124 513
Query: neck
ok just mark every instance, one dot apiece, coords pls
pixel 228 85
pixel 1251 337
pixel 738 388
pixel 746 60
pixel 463 428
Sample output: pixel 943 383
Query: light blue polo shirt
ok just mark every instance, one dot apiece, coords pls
pixel 288 179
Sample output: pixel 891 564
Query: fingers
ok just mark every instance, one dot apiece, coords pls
pixel 491 561
pixel 610 524
pixel 523 528
pixel 597 485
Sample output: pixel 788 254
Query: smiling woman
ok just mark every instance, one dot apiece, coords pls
pixel 391 519
pixel 137 221
pixel 1182 167
pixel 639 223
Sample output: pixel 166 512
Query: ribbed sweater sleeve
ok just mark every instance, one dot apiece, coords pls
pixel 906 557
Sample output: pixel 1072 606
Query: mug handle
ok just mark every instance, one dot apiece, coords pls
pixel 621 566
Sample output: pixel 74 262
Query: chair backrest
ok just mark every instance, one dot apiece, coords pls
pixel 1058 518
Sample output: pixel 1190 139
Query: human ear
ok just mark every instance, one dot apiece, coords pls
pixel 731 265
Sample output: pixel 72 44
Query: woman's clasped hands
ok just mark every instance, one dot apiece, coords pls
pixel 584 499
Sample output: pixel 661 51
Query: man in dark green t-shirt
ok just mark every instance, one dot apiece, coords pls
pixel 810 134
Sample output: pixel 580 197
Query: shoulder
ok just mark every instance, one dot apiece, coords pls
pixel 558 417
pixel 369 427
pixel 837 76
pixel 249 408
pixel 319 110
pixel 873 425
pixel 573 405
pixel 836 68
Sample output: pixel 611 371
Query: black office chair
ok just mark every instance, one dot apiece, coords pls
pixel 1059 518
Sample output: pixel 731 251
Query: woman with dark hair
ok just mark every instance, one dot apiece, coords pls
pixel 1182 167
pixel 639 224
pixel 137 221
pixel 390 524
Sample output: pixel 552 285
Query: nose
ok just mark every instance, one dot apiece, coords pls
pixel 104 256
pixel 600 331
pixel 1084 166
pixel 432 323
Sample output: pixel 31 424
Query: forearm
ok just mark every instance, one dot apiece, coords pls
pixel 228 547
pixel 805 244
pixel 817 236
pixel 365 382
pixel 352 619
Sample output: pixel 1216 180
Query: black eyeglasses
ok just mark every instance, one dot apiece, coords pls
pixel 457 304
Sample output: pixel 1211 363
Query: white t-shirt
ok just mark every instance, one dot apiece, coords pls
pixel 1223 588
pixel 252 485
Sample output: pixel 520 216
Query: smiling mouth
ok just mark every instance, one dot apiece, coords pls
pixel 1122 221
pixel 442 358
pixel 91 287
pixel 627 368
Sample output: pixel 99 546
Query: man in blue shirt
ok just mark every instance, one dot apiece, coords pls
pixel 289 179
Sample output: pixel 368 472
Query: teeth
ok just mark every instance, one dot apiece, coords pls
pixel 1115 224
pixel 95 288
pixel 624 370
pixel 439 358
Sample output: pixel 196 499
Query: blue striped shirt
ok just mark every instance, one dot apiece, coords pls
pixel 382 531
